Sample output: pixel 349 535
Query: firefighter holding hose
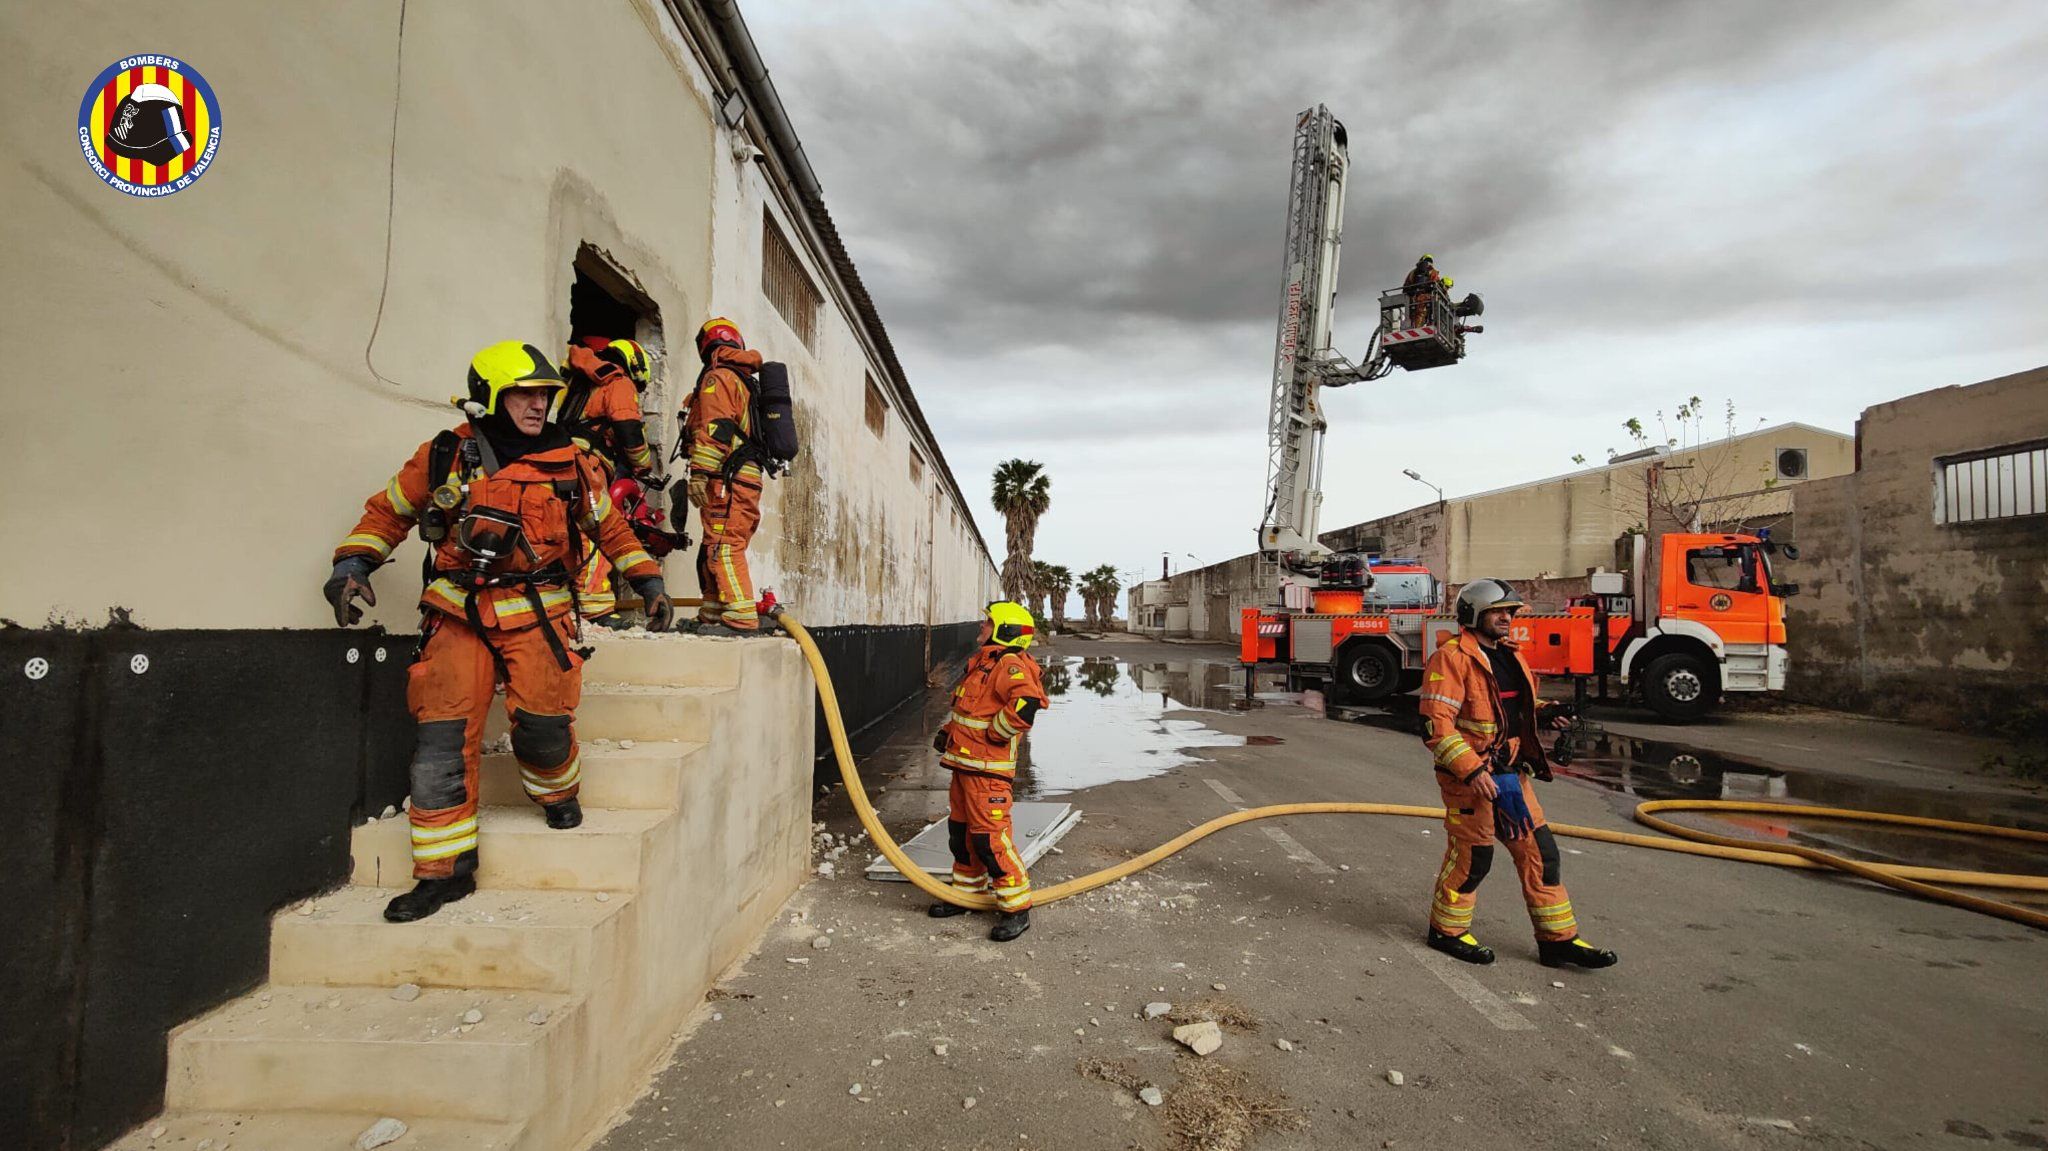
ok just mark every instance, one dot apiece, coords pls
pixel 504 503
pixel 1481 716
pixel 994 704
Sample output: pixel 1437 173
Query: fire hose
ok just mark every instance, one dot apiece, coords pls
pixel 1920 881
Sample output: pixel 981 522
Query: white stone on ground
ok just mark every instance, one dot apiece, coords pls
pixel 1152 1096
pixel 406 992
pixel 1201 1038
pixel 385 1130
pixel 1155 1010
pixel 1395 1078
pixel 473 1016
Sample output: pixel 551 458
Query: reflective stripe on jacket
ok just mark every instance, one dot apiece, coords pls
pixel 527 486
pixel 1461 710
pixel 988 720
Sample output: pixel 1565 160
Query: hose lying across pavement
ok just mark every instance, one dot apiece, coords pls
pixel 1913 880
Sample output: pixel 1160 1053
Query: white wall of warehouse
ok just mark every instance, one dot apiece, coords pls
pixel 197 408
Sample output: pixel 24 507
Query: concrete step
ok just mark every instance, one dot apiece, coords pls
pixel 644 776
pixel 289 1130
pixel 518 849
pixel 637 712
pixel 357 1050
pixel 663 660
pixel 527 940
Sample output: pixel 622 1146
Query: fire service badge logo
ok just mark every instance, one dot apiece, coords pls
pixel 149 126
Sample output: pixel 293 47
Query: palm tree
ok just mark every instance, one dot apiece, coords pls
pixel 1021 492
pixel 1058 582
pixel 1099 586
pixel 1041 583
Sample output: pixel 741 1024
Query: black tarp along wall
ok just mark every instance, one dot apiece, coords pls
pixel 171 789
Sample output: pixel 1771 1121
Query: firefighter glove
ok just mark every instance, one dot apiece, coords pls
pixel 654 594
pixel 699 490
pixel 939 741
pixel 350 581
pixel 1511 816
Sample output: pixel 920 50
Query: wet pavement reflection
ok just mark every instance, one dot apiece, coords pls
pixel 1632 770
pixel 1120 721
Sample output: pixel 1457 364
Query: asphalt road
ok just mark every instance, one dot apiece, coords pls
pixel 1753 1007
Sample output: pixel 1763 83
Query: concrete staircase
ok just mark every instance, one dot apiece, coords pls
pixel 582 950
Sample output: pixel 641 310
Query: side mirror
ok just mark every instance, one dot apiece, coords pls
pixel 1790 551
pixel 1784 590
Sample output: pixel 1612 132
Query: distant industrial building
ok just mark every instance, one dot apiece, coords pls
pixel 1550 531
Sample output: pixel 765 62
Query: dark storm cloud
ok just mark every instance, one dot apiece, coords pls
pixel 1030 172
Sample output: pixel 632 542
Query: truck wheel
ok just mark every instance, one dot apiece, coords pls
pixel 1410 680
pixel 1367 672
pixel 1680 687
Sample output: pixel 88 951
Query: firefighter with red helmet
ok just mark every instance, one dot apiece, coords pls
pixel 998 696
pixel 725 481
pixel 505 503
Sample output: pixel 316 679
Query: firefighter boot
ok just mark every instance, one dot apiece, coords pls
pixel 1575 951
pixel 1010 924
pixel 1464 947
pixel 944 910
pixel 564 815
pixel 427 898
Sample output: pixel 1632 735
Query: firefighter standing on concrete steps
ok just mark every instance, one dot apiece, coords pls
pixel 1481 715
pixel 601 412
pixel 505 504
pixel 997 697
pixel 725 478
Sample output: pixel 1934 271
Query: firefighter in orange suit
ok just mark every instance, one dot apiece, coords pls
pixel 602 413
pixel 725 479
pixel 505 503
pixel 997 697
pixel 1482 718
pixel 1421 287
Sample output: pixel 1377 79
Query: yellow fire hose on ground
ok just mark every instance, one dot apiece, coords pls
pixel 1913 880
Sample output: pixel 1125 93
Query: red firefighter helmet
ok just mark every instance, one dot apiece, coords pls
pixel 717 332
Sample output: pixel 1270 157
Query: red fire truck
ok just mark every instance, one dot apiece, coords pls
pixel 1709 619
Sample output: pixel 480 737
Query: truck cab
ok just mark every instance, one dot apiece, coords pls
pixel 1713 622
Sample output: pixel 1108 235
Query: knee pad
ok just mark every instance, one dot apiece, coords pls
pixel 1482 862
pixel 541 741
pixel 985 850
pixel 1546 846
pixel 437 764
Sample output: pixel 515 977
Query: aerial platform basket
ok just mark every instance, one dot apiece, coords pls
pixel 1424 331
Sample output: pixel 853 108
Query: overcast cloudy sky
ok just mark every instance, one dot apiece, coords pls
pixel 1071 216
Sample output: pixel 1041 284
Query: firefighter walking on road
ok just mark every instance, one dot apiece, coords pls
pixel 1482 719
pixel 994 704
pixel 725 478
pixel 504 504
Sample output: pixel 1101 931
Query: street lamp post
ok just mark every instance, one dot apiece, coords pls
pixel 1410 473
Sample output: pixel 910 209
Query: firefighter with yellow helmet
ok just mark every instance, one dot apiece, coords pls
pixel 998 696
pixel 504 503
pixel 601 412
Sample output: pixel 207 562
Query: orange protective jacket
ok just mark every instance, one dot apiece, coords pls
pixel 612 407
pixel 528 485
pixel 1461 710
pixel 721 418
pixel 993 705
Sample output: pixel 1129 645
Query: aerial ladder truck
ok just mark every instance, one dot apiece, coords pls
pixel 1709 619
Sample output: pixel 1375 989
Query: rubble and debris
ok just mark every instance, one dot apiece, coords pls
pixel 1151 1096
pixel 968 1103
pixel 406 992
pixel 854 1090
pixel 538 1016
pixel 1396 1078
pixel 1283 1045
pixel 1201 1038
pixel 385 1130
pixel 473 1016
pixel 1156 1009
pixel 821 942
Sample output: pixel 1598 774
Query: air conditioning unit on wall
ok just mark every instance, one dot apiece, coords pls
pixel 1791 463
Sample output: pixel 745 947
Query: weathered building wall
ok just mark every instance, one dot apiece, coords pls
pixel 1897 613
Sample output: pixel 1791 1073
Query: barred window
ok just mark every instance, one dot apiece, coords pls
pixel 878 409
pixel 1999 484
pixel 784 283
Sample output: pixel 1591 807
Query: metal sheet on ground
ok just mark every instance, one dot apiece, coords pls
pixel 1039 826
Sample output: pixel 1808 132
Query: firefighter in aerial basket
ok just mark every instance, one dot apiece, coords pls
pixel 997 698
pixel 1481 715
pixel 504 504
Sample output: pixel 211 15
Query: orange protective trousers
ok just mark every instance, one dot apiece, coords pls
pixel 730 515
pixel 978 830
pixel 449 691
pixel 1468 825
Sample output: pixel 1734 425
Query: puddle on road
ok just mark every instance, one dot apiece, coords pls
pixel 1632 770
pixel 1110 722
